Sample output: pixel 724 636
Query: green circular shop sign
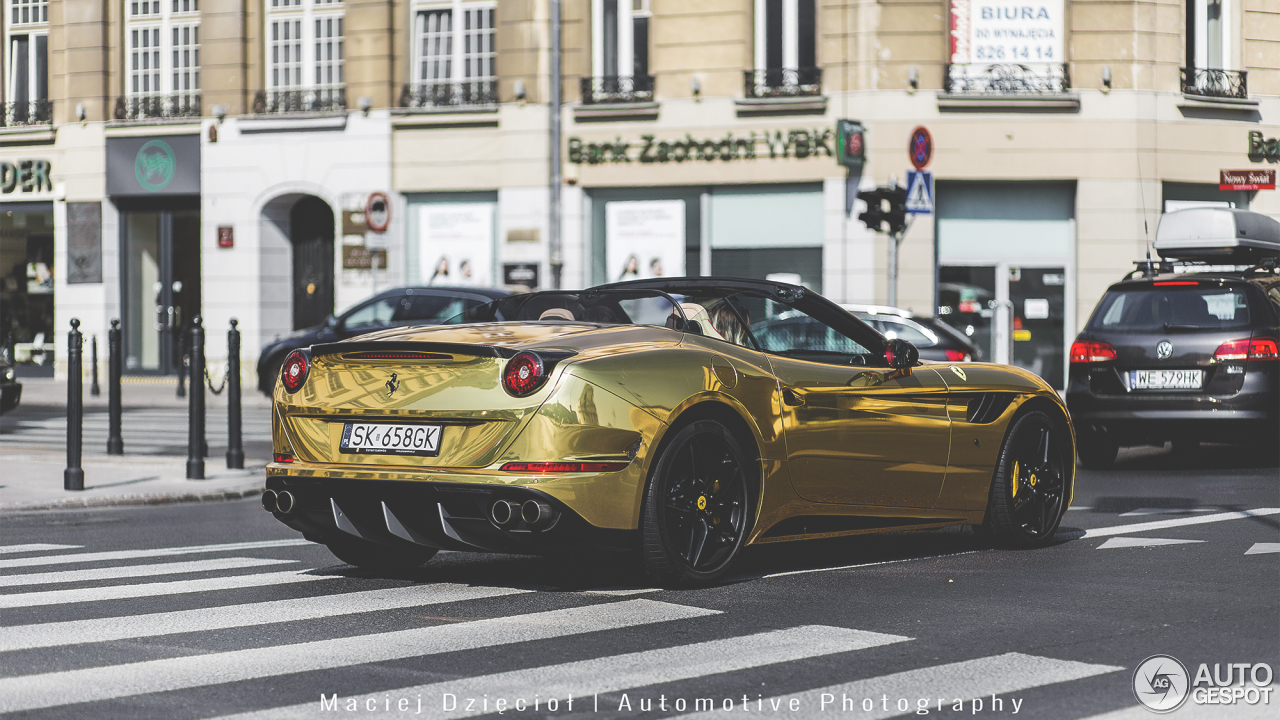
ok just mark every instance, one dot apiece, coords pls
pixel 155 165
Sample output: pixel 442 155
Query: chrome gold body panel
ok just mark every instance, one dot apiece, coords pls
pixel 842 450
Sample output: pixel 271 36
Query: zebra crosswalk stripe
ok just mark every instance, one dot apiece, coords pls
pixel 30 692
pixel 136 590
pixel 148 553
pixel 35 547
pixel 125 571
pixel 940 685
pixel 584 678
pixel 77 632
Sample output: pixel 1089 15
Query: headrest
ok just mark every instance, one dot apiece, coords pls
pixel 556 314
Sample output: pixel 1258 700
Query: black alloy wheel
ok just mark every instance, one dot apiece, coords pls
pixel 1028 491
pixel 696 507
pixel 368 555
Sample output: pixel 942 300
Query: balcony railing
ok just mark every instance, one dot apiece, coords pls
pixel 443 95
pixel 783 82
pixel 1007 79
pixel 21 114
pixel 1210 82
pixel 157 107
pixel 617 89
pixel 325 98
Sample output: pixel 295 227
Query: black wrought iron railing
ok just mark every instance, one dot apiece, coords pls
pixel 782 82
pixel 21 114
pixel 1211 82
pixel 157 107
pixel 443 94
pixel 1007 79
pixel 617 89
pixel 324 98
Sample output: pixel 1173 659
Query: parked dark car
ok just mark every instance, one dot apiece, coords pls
pixel 392 308
pixel 10 388
pixel 934 339
pixel 1184 357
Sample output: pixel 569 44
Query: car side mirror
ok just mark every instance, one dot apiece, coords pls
pixel 331 321
pixel 899 353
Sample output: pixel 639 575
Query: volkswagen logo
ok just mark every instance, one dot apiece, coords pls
pixel 1164 350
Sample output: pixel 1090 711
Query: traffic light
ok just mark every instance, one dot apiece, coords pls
pixel 885 204
pixel 874 216
pixel 897 215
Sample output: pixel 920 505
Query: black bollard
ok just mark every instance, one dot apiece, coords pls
pixel 94 390
pixel 73 476
pixel 115 368
pixel 235 449
pixel 181 342
pixel 195 428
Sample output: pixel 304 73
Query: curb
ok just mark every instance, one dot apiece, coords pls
pixel 137 500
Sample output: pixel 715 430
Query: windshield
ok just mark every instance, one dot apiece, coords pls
pixel 1174 307
pixel 596 307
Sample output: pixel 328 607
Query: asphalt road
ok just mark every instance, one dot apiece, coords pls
pixel 934 618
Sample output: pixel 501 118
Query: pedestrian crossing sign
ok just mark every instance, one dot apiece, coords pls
pixel 919 192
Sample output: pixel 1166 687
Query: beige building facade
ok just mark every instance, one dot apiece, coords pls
pixel 698 138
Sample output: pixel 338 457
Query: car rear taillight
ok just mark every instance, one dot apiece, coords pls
pixel 958 356
pixel 559 467
pixel 1090 351
pixel 294 371
pixel 1247 349
pixel 282 457
pixel 524 374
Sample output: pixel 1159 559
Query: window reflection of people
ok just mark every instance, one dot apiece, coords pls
pixel 631 269
pixel 655 267
pixel 464 273
pixel 442 271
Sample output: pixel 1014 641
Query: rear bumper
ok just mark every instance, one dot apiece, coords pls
pixel 9 396
pixel 449 516
pixel 1139 422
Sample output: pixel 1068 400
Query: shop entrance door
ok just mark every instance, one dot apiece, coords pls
pixel 1015 314
pixel 161 286
pixel 311 234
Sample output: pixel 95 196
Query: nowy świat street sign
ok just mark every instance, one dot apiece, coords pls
pixel 919 192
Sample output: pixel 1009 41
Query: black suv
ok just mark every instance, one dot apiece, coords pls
pixel 1184 357
pixel 397 307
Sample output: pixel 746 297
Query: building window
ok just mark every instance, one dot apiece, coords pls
pixel 27 64
pixel 1209 52
pixel 305 57
pixel 786 57
pixel 162 60
pixel 453 56
pixel 619 52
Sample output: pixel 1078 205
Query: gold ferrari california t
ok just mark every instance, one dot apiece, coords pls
pixel 680 418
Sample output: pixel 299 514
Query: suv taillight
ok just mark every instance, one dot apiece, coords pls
pixel 1247 349
pixel 1090 351
pixel 294 371
pixel 958 356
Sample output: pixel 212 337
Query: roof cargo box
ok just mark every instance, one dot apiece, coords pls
pixel 1218 235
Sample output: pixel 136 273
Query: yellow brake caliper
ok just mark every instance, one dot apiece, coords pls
pixel 1015 478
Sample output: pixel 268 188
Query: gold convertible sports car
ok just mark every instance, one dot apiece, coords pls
pixel 679 418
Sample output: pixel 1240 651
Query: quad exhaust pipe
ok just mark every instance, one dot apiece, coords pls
pixel 535 514
pixel 507 514
pixel 282 502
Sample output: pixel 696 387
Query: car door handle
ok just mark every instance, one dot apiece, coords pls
pixel 791 397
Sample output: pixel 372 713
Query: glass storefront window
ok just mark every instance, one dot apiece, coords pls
pixel 26 289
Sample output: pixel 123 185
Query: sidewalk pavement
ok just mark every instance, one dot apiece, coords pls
pixel 32 462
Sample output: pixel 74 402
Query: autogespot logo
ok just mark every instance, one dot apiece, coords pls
pixel 155 165
pixel 1160 683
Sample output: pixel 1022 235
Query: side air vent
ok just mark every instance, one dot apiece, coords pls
pixel 985 408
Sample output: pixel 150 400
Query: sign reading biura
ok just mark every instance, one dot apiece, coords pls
pixel 777 144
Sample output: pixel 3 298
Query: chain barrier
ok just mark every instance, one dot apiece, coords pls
pixel 209 381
